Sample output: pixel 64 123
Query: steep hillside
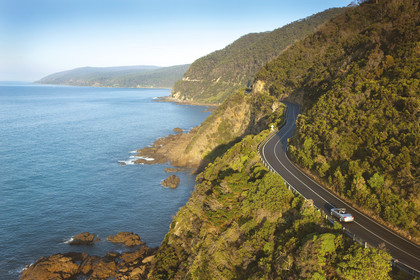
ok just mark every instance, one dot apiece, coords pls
pixel 211 79
pixel 358 77
pixel 241 114
pixel 241 222
pixel 124 76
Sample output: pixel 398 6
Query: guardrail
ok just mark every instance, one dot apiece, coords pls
pixel 413 272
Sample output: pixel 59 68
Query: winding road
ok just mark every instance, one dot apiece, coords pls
pixel 273 152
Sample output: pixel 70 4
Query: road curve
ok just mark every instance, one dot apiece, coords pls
pixel 274 154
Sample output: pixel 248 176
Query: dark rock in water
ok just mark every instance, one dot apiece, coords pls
pixel 84 238
pixel 169 169
pixel 178 130
pixel 140 161
pixel 127 238
pixel 171 182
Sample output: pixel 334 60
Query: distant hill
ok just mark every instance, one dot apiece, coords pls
pixel 123 76
pixel 212 78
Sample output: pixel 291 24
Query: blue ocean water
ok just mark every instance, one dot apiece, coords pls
pixel 60 174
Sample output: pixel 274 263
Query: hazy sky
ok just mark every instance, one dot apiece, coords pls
pixel 39 37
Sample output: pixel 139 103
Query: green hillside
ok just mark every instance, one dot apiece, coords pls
pixel 241 222
pixel 124 76
pixel 212 78
pixel 358 77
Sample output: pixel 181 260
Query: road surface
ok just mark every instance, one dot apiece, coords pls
pixel 273 153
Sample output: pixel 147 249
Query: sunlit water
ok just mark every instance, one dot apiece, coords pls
pixel 60 154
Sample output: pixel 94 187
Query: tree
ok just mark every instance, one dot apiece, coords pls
pixel 365 263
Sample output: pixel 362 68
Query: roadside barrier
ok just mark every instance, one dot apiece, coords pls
pixel 412 271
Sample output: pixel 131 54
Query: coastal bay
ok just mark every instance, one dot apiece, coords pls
pixel 62 149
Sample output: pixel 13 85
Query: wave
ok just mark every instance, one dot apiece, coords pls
pixel 18 271
pixel 132 159
pixel 127 162
pixel 68 240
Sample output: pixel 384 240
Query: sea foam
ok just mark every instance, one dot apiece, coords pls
pixel 132 160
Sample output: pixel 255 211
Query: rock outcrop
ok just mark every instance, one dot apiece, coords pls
pixel 171 182
pixel 178 130
pixel 59 266
pixel 128 265
pixel 127 238
pixel 84 238
pixel 170 170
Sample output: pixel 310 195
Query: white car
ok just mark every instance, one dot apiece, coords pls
pixel 341 214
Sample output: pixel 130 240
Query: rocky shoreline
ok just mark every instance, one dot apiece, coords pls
pixel 210 107
pixel 170 149
pixel 134 264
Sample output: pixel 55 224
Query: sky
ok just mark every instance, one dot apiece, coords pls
pixel 41 37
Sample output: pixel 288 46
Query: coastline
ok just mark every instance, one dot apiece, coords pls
pixel 98 86
pixel 136 183
pixel 213 106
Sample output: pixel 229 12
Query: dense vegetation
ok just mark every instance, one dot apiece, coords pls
pixel 125 76
pixel 359 78
pixel 212 78
pixel 241 222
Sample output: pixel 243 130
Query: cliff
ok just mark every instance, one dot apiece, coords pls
pixel 241 114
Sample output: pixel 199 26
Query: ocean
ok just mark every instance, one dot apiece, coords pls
pixel 61 150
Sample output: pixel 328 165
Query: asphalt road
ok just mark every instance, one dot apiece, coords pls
pixel 274 154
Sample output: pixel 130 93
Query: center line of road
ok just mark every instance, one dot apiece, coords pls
pixel 278 160
pixel 281 136
pixel 387 241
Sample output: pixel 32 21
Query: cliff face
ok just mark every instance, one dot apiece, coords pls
pixel 240 115
pixel 211 79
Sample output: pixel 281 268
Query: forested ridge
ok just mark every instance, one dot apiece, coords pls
pixel 212 78
pixel 124 76
pixel 358 77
